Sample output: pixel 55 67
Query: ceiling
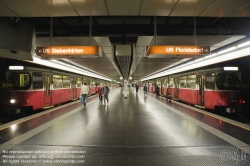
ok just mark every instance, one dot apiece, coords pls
pixel 215 23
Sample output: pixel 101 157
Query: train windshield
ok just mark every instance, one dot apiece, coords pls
pixel 18 81
pixel 228 81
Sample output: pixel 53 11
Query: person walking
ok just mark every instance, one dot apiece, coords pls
pixel 105 93
pixel 84 93
pixel 145 90
pixel 136 88
pixel 99 91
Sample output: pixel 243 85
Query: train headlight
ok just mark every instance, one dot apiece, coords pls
pixel 12 101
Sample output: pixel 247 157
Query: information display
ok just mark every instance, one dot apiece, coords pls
pixel 68 50
pixel 193 50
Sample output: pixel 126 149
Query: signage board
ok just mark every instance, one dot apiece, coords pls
pixel 190 50
pixel 68 50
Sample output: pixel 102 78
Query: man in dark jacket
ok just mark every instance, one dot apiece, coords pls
pixel 136 88
pixel 157 90
pixel 105 93
pixel 145 88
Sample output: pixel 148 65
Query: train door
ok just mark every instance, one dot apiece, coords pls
pixel 73 87
pixel 176 88
pixel 201 81
pixel 47 90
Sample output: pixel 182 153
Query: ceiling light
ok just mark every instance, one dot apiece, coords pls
pixel 227 50
pixel 244 44
pixel 210 56
pixel 211 59
pixel 231 68
pixel 16 67
pixel 67 67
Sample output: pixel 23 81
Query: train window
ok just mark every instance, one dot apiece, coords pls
pixel 37 80
pixel 165 83
pixel 210 77
pixel 78 82
pixel 92 83
pixel 57 81
pixel 228 81
pixel 191 81
pixel 66 81
pixel 171 81
pixel 183 82
pixel 19 81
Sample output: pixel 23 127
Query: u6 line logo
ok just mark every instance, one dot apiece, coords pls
pixel 169 49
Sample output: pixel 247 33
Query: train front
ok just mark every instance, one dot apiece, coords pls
pixel 17 88
pixel 229 95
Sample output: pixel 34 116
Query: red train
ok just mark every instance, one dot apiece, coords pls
pixel 34 89
pixel 214 89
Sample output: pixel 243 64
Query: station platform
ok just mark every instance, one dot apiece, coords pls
pixel 141 130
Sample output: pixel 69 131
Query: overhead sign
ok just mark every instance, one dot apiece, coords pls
pixel 68 50
pixel 193 50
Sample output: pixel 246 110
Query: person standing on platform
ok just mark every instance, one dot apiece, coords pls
pixel 99 91
pixel 136 88
pixel 84 93
pixel 105 93
pixel 145 89
pixel 157 90
pixel 169 96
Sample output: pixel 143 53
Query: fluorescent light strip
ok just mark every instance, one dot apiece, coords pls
pixel 231 68
pixel 227 50
pixel 239 53
pixel 244 44
pixel 210 56
pixel 66 67
pixel 16 67
pixel 78 68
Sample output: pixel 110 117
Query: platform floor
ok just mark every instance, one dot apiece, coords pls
pixel 138 130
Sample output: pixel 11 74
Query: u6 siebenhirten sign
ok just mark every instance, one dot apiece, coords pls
pixel 194 50
pixel 67 50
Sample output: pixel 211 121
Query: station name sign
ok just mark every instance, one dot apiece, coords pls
pixel 67 50
pixel 193 50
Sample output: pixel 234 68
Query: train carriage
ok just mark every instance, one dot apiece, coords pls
pixel 215 89
pixel 32 89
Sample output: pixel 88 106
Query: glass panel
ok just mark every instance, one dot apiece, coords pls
pixel 66 81
pixel 47 85
pixel 92 83
pixel 191 81
pixel 165 83
pixel 78 82
pixel 183 82
pixel 57 81
pixel 19 81
pixel 171 82
pixel 37 81
pixel 210 78
pixel 228 81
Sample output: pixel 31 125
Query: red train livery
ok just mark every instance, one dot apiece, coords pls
pixel 34 89
pixel 214 89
